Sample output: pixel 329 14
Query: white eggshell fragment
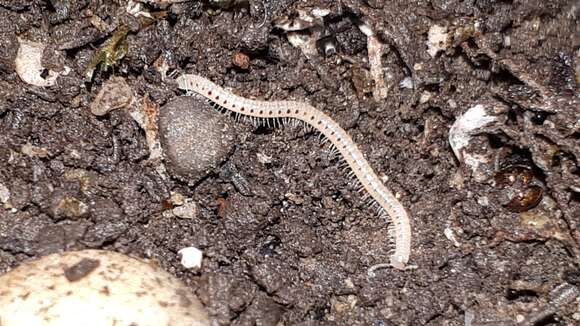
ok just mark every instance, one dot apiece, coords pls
pixel 96 287
pixel 467 125
pixel 28 64
pixel 438 40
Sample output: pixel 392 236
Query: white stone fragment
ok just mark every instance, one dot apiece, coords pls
pixel 96 287
pixel 176 198
pixel 191 257
pixel 437 40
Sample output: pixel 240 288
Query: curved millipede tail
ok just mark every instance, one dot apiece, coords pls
pixel 280 112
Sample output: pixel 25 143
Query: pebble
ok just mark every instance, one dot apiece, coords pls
pixel 115 94
pixel 195 138
pixel 241 60
pixel 187 211
pixel 191 257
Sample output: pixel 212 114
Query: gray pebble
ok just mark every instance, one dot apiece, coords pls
pixel 194 137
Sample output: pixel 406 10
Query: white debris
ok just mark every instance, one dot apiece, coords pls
pixel 319 12
pixel 304 42
pixel 264 159
pixel 191 257
pixel 461 133
pixel 469 318
pixel 483 201
pixel 407 82
pixel 437 40
pixel 187 211
pixel 448 232
pixel 366 29
pixel 425 97
pixel 28 64
pixel 303 22
pixel 4 194
pixel 136 9
pixel 375 49
pixel 176 198
pixel 467 125
pixel 306 21
pixel 145 113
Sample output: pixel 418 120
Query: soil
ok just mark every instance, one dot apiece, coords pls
pixel 286 238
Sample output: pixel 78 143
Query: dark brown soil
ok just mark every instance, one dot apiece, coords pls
pixel 287 240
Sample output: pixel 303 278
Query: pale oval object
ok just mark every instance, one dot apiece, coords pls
pixel 96 287
pixel 28 64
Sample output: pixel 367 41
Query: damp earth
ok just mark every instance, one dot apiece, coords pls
pixel 467 110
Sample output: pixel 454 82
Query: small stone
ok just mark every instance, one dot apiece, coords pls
pixel 194 137
pixel 67 206
pixel 115 94
pixel 241 60
pixel 191 257
pixel 177 199
pixel 186 211
pixel 425 97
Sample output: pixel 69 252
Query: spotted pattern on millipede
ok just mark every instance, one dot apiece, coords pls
pixel 282 112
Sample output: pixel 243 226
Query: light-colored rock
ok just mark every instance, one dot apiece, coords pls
pixel 115 94
pixel 191 257
pixel 95 287
pixel 195 138
pixel 187 211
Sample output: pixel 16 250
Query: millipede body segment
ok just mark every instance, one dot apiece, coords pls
pixel 386 203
